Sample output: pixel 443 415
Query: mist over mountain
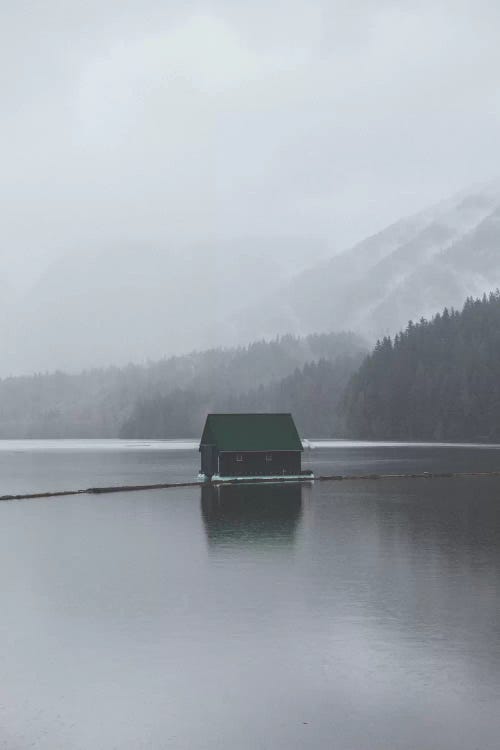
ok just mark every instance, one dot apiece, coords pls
pixel 110 306
pixel 98 402
pixel 170 171
pixel 134 302
pixel 411 269
pixel 313 392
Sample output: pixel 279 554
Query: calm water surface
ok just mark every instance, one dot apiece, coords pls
pixel 357 616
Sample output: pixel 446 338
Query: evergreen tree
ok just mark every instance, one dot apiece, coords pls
pixel 438 380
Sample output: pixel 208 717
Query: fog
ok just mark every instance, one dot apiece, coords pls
pixel 217 146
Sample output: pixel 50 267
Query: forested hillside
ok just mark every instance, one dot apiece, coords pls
pixel 438 380
pixel 97 403
pixel 312 393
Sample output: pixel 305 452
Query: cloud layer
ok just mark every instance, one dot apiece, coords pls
pixel 169 123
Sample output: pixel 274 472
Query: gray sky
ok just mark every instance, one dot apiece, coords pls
pixel 180 121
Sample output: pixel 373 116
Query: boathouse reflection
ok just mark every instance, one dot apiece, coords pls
pixel 248 513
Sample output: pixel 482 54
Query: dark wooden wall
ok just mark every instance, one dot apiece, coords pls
pixel 255 464
pixel 209 460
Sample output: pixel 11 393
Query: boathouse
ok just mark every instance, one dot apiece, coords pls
pixel 250 445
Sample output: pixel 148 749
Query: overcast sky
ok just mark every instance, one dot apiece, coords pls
pixel 178 121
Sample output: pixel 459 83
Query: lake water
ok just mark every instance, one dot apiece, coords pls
pixel 354 616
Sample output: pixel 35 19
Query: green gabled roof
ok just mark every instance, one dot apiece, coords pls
pixel 251 432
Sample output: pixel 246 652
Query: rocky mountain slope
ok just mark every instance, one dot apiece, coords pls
pixel 409 270
pixel 105 306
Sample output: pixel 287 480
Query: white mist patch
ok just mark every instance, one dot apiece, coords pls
pixel 98 445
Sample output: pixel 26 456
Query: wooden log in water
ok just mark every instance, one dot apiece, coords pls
pixel 41 495
pixel 101 490
pixel 139 487
pixel 322 478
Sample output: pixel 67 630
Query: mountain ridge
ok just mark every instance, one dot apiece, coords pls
pixel 141 301
pixel 418 265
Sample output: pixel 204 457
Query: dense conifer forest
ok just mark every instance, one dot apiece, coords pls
pixel 437 380
pixel 169 398
pixel 312 393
